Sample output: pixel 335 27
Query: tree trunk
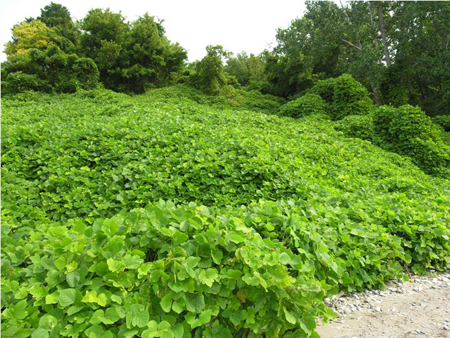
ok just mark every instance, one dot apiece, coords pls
pixel 383 34
pixel 375 92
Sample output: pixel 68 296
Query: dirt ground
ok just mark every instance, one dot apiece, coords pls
pixel 419 308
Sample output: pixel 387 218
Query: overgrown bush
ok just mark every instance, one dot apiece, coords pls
pixel 443 121
pixel 345 95
pixel 305 105
pixel 50 70
pixel 359 126
pixel 408 131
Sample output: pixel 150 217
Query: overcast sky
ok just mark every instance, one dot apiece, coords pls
pixel 237 25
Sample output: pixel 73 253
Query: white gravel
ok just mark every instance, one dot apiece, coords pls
pixel 418 308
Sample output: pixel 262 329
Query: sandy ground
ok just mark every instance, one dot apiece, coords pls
pixel 419 308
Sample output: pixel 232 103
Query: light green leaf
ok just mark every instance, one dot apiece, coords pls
pixel 67 297
pixel 166 302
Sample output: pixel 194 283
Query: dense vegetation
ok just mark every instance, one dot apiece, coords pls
pixel 265 217
pixel 233 194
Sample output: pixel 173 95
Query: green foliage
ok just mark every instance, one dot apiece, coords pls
pixel 273 214
pixel 248 69
pixel 345 95
pixel 130 57
pixel 164 270
pixel 30 35
pixel 359 126
pixel 408 131
pixel 443 121
pixel 210 75
pixel 49 70
pixel 19 82
pixel 58 16
pixel 305 105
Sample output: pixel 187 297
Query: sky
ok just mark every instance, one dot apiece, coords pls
pixel 237 25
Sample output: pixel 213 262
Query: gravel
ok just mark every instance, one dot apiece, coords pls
pixel 418 308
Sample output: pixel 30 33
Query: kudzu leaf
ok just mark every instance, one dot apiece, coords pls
pixel 67 297
pixel 140 316
pixel 166 302
pixel 289 317
pixel 40 333
pixel 208 276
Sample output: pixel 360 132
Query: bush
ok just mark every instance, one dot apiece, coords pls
pixel 161 271
pixel 345 95
pixel 305 105
pixel 52 70
pixel 359 126
pixel 19 82
pixel 443 121
pixel 408 131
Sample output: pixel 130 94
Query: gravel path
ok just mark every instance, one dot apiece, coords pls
pixel 418 308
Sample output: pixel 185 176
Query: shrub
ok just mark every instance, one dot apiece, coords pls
pixel 305 105
pixel 19 82
pixel 443 121
pixel 52 70
pixel 359 126
pixel 345 95
pixel 408 131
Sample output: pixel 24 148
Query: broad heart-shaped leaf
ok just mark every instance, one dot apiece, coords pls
pixel 112 315
pixel 152 330
pixel 195 302
pixel 208 276
pixel 140 316
pixel 73 279
pixel 179 305
pixel 67 297
pixel 220 331
pixel 91 297
pixel 289 316
pixel 40 333
pixel 48 322
pixel 191 263
pixel 166 302
pixel 178 330
pixel 18 311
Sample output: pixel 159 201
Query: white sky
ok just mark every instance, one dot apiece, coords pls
pixel 237 25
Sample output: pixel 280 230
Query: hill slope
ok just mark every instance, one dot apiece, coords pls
pixel 297 209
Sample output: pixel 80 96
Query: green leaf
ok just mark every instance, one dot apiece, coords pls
pixel 52 298
pixel 166 302
pixel 152 330
pixel 18 310
pixel 73 279
pixel 235 238
pixel 140 316
pixel 179 305
pixel 60 263
pixel 47 322
pixel 208 276
pixel 67 297
pixel 40 333
pixel 284 258
pixel 112 315
pixel 195 302
pixel 289 317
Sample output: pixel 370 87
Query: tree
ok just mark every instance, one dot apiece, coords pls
pixel 29 35
pixel 210 74
pixel 131 57
pixel 58 16
pixel 49 70
pixel 247 68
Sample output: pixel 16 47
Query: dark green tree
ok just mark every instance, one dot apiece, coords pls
pixel 210 74
pixel 58 16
